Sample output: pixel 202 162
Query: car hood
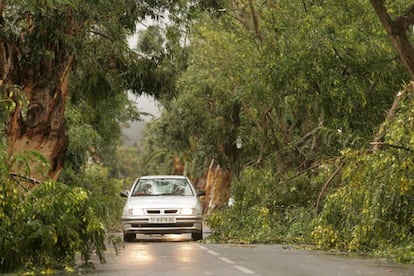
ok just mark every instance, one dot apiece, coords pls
pixel 162 202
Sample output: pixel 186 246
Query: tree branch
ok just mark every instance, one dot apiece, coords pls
pixel 307 136
pixel 327 183
pixel 32 181
pixel 380 134
pixel 397 31
pixel 255 20
pixel 103 35
pixel 391 145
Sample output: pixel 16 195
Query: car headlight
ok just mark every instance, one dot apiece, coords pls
pixel 135 212
pixel 187 211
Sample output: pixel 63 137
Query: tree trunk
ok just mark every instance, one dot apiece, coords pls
pixel 218 186
pixel 41 127
pixel 397 31
pixel 39 92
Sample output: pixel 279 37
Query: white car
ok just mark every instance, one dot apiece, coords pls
pixel 162 204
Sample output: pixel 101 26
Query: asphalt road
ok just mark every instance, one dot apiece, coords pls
pixel 179 255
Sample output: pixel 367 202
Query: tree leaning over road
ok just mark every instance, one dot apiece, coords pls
pixel 307 83
pixel 41 47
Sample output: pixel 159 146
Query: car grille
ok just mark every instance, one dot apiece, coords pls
pixel 168 211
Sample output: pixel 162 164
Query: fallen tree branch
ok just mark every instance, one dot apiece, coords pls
pixel 17 176
pixel 391 145
pixel 395 105
pixel 327 183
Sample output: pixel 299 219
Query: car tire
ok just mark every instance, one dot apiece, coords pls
pixel 129 237
pixel 197 236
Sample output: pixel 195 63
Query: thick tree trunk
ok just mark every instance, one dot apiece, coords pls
pixel 36 122
pixel 218 185
pixel 41 126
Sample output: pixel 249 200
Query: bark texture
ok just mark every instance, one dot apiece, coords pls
pixel 41 127
pixel 39 92
pixel 217 187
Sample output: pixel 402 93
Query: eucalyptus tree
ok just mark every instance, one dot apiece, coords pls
pixel 45 46
pixel 295 82
pixel 369 211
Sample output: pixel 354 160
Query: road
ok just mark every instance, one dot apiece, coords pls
pixel 179 255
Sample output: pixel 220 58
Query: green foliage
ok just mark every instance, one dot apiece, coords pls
pixel 151 41
pixel 265 210
pixel 94 129
pixel 10 197
pixel 251 225
pixel 83 136
pixel 298 89
pixel 20 161
pixel 308 80
pixel 127 161
pixel 47 226
pixel 158 153
pixel 48 34
pixel 373 211
pixel 58 221
pixel 103 190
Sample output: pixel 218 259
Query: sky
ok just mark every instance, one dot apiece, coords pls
pixel 133 134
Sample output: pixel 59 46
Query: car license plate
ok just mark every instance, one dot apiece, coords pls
pixel 162 219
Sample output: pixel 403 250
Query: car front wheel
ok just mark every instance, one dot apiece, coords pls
pixel 129 237
pixel 197 236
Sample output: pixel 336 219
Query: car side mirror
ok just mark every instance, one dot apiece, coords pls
pixel 201 193
pixel 124 193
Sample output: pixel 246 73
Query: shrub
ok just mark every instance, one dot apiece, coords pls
pixel 10 197
pixel 49 226
pixel 265 210
pixel 374 208
pixel 104 192
pixel 373 211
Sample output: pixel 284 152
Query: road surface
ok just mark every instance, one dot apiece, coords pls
pixel 179 255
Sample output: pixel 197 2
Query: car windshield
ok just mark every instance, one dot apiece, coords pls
pixel 162 187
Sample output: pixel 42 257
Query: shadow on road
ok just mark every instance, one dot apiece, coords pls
pixel 167 237
pixel 163 238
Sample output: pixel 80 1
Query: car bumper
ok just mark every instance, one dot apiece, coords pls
pixel 141 225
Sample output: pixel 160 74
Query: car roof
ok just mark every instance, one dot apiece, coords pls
pixel 163 176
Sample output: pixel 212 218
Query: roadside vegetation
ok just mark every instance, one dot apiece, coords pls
pixel 322 104
pixel 368 210
pixel 316 91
